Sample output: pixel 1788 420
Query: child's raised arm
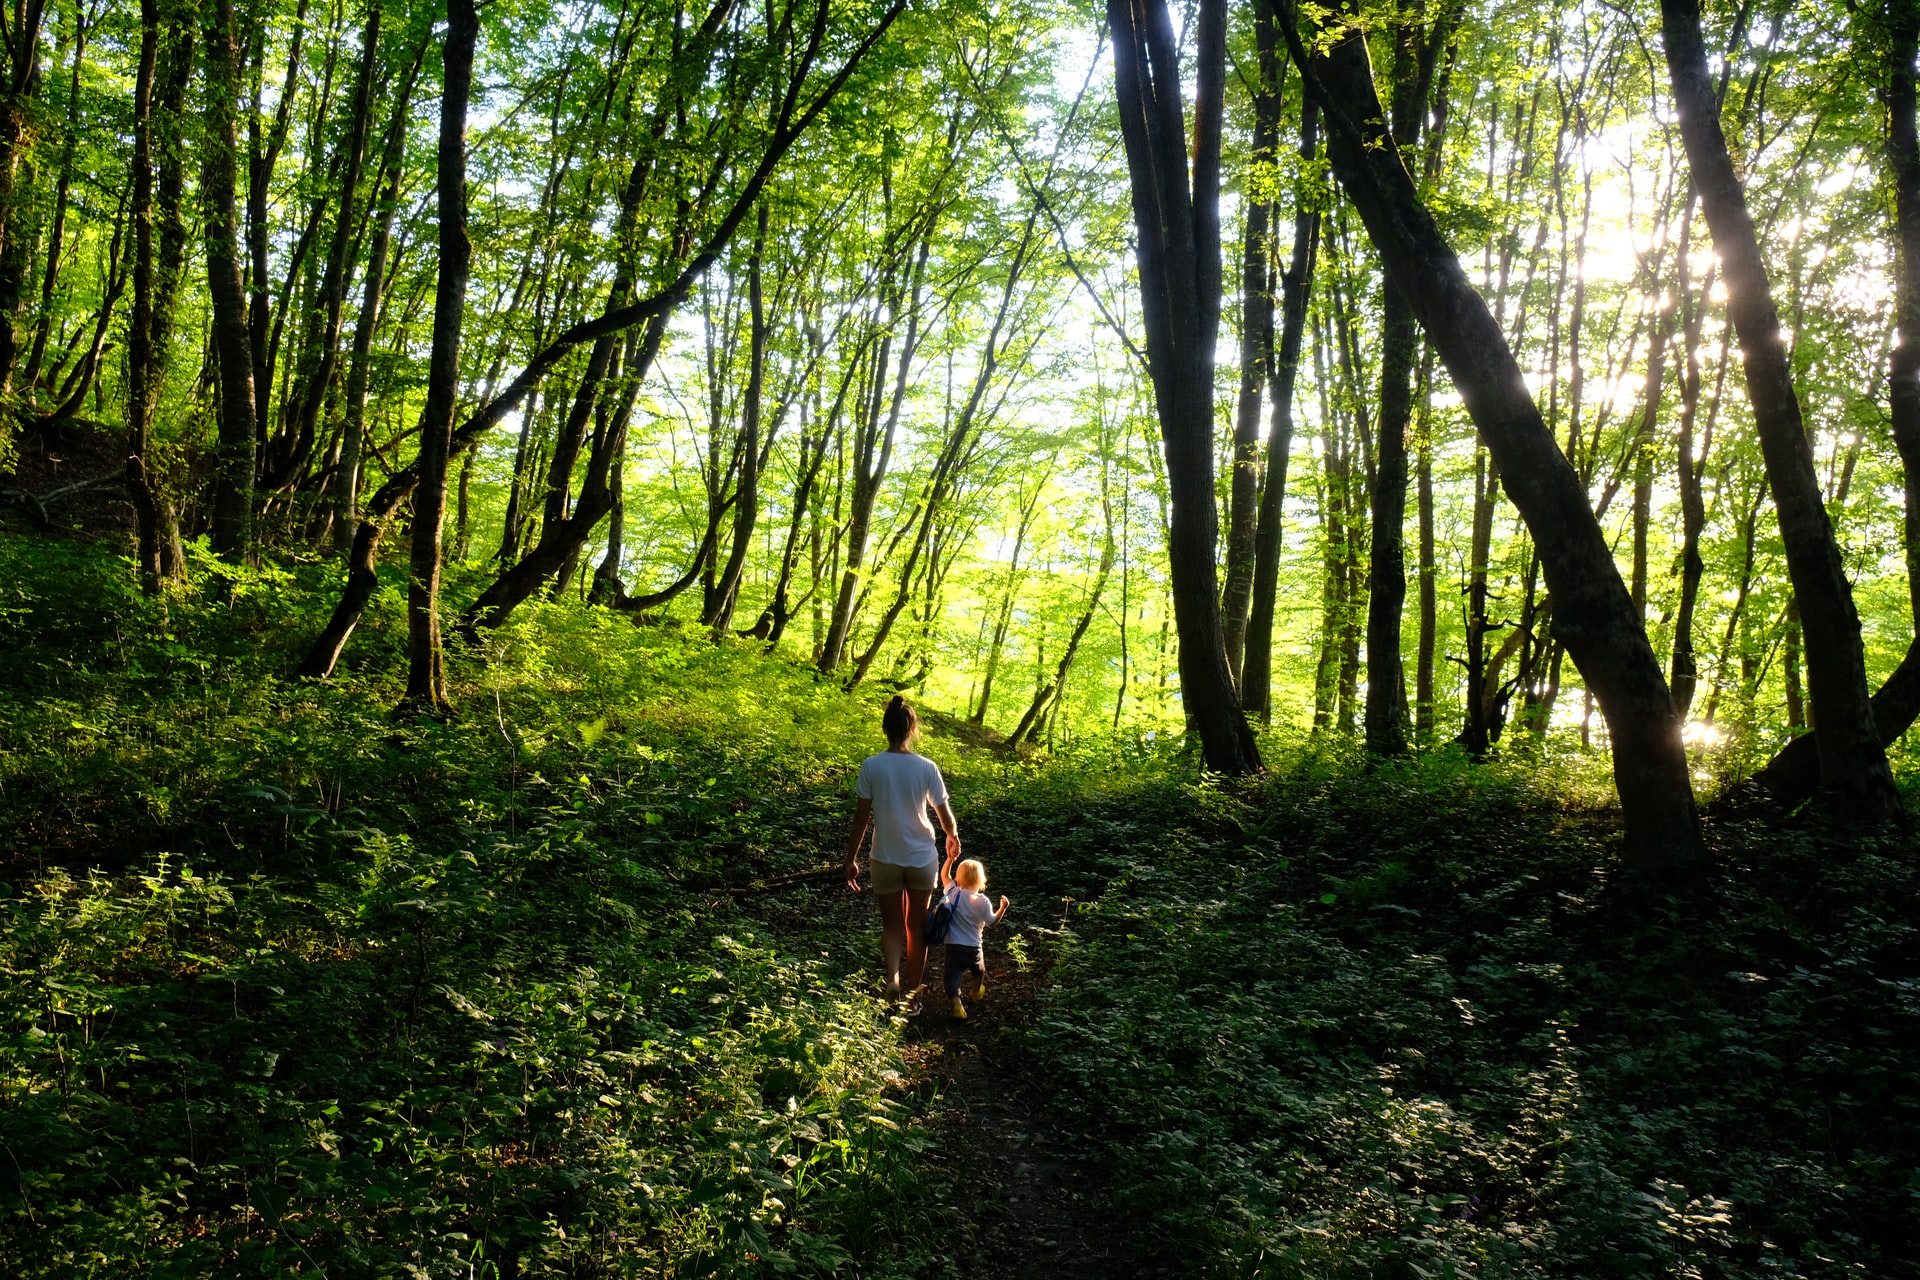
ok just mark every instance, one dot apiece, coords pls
pixel 1001 914
pixel 946 868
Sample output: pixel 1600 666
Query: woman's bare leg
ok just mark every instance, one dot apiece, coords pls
pixel 916 922
pixel 894 939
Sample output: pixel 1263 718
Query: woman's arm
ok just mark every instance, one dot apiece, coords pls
pixel 944 812
pixel 862 815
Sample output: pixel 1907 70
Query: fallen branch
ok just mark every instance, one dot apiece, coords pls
pixel 36 504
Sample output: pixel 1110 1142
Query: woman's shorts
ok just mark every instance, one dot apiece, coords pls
pixel 891 877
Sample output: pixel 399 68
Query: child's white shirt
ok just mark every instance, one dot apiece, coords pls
pixel 972 912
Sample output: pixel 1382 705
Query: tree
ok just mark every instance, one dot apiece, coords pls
pixel 1594 615
pixel 1853 764
pixel 1177 216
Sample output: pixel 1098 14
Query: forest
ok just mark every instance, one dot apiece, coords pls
pixel 1400 518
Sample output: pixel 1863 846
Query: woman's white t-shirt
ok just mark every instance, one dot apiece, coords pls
pixel 972 912
pixel 901 786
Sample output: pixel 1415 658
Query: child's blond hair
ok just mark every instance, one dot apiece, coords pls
pixel 971 874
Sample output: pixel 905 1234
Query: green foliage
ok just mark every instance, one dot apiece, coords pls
pixel 385 998
pixel 1401 1024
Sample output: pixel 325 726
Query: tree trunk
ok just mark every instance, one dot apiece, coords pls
pixel 426 675
pixel 322 354
pixel 1690 469
pixel 1005 618
pixel 263 156
pixel 1797 770
pixel 872 452
pixel 353 432
pixel 233 479
pixel 1593 614
pixel 1386 715
pixel 156 535
pixel 1178 250
pixel 1256 669
pixel 17 111
pixel 1423 691
pixel 746 507
pixel 1853 762
pixel 63 187
pixel 1256 355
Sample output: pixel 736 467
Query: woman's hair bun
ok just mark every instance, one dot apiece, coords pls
pixel 899 722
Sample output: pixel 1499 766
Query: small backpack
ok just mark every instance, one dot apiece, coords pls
pixel 939 921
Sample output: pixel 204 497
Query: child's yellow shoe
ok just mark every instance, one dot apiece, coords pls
pixel 959 1008
pixel 980 989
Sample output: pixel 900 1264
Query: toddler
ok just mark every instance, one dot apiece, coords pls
pixel 972 912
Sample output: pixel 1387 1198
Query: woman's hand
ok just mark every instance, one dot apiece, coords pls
pixel 853 875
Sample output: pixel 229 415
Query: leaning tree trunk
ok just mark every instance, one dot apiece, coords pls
pixel 233 354
pixel 426 675
pixel 1853 763
pixel 1178 228
pixel 1796 772
pixel 1593 614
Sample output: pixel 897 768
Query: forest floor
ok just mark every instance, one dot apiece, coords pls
pixel 556 987
pixel 1030 1194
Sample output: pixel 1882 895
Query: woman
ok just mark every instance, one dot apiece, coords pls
pixel 895 790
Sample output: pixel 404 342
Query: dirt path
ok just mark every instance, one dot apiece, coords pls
pixel 1030 1194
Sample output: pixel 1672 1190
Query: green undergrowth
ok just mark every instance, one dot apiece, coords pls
pixel 290 986
pixel 1341 1023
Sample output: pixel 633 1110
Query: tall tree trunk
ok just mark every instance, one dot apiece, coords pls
pixel 18 92
pixel 1256 355
pixel 426 675
pixel 1386 715
pixel 1690 469
pixel 872 452
pixel 263 156
pixel 233 478
pixel 1178 250
pixel 1256 669
pixel 321 356
pixel 1005 618
pixel 63 186
pixel 957 449
pixel 1593 613
pixel 746 507
pixel 156 535
pixel 353 431
pixel 1423 691
pixel 1853 762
